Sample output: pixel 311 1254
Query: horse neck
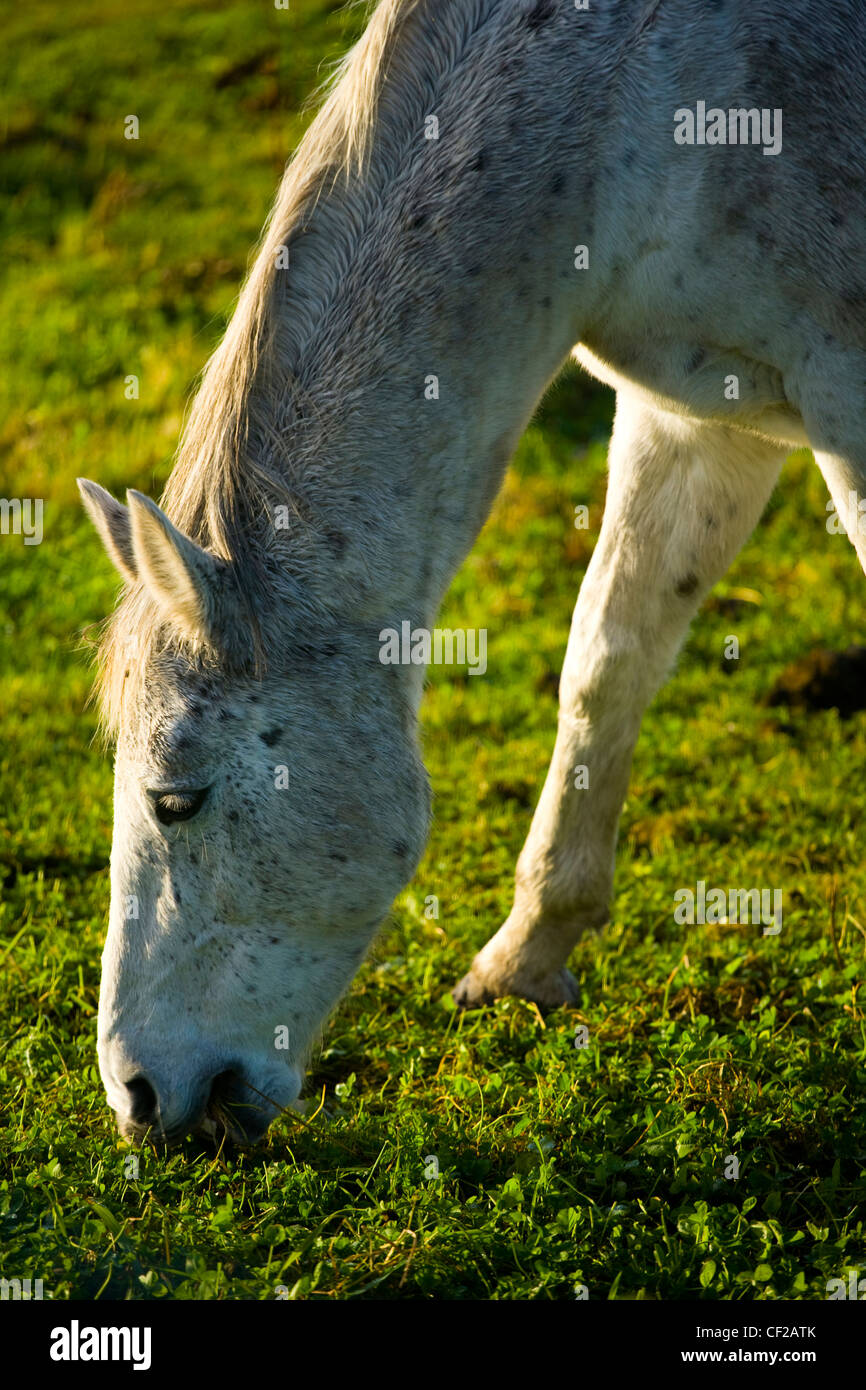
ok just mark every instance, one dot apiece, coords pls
pixel 427 303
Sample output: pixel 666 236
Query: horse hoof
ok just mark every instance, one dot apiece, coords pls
pixel 554 991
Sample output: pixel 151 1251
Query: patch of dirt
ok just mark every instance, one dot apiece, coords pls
pixel 732 999
pixel 664 831
pixel 51 865
pixel 547 684
pixel 522 794
pixel 264 61
pixel 823 679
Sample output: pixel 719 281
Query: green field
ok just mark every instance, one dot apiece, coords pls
pixel 558 1166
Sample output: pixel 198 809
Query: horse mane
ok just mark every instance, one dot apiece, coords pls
pixel 223 481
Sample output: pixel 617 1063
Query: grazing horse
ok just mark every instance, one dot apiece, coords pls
pixel 676 188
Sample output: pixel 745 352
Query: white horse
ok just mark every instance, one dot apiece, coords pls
pixel 677 188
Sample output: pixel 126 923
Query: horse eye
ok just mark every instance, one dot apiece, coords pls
pixel 175 806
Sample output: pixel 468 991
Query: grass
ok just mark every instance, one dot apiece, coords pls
pixel 483 1156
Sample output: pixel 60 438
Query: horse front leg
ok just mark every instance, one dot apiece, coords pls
pixel 682 498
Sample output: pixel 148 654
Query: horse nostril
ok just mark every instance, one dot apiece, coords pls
pixel 227 1088
pixel 231 1106
pixel 143 1098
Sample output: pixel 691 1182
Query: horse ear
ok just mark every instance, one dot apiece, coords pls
pixel 111 520
pixel 187 582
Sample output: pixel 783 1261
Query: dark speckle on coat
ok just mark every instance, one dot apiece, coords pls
pixel 687 585
pixel 270 737
pixel 541 13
